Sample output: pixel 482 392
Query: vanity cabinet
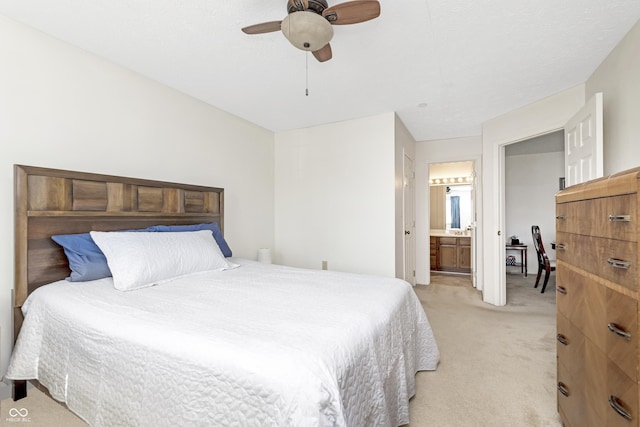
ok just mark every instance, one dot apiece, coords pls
pixel 597 302
pixel 433 253
pixel 464 254
pixel 450 253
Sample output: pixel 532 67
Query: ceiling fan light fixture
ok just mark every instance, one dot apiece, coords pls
pixel 307 30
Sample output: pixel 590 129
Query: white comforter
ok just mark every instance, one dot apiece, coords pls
pixel 260 345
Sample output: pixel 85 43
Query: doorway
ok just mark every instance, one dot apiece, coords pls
pixel 534 169
pixel 560 110
pixel 452 219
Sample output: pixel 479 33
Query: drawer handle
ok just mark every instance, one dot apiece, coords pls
pixel 619 263
pixel 561 290
pixel 561 217
pixel 619 218
pixel 562 339
pixel 616 404
pixel 619 331
pixel 562 388
pixel 561 246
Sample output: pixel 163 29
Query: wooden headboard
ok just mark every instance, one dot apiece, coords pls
pixel 52 201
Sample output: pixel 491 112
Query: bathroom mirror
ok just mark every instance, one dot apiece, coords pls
pixel 451 207
pixel 450 188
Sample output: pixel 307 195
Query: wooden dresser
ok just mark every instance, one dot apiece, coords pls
pixel 597 301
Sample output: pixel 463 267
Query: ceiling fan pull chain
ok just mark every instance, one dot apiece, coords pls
pixel 307 73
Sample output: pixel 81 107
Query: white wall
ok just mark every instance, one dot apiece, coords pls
pixel 63 108
pixel 530 188
pixel 443 151
pixel 449 170
pixel 335 196
pixel 617 78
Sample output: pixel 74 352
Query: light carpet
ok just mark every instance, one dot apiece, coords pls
pixel 497 364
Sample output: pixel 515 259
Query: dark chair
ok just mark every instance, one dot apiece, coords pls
pixel 543 259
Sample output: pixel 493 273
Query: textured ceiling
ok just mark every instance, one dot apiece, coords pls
pixel 467 60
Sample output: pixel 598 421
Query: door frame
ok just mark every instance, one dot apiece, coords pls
pixel 545 116
pixel 424 228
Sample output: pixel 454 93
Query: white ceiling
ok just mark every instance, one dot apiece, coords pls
pixel 467 60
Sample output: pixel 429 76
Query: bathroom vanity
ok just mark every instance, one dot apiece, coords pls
pixel 450 251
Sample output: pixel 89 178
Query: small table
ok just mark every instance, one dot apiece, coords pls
pixel 523 256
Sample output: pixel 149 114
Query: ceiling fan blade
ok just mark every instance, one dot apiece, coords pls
pixel 299 4
pixel 352 12
pixel 323 54
pixel 265 27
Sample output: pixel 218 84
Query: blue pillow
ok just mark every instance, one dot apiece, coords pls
pixel 215 229
pixel 86 260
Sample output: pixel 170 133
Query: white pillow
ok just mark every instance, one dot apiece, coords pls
pixel 139 260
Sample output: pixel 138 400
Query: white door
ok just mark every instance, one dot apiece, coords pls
pixel 583 143
pixel 409 221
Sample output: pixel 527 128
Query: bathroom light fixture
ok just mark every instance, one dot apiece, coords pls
pixel 451 180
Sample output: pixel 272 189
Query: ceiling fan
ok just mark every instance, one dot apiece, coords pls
pixel 308 25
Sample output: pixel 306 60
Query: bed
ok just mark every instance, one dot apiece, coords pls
pixel 232 342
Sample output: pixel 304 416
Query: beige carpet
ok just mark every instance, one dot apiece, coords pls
pixel 497 363
pixel 36 410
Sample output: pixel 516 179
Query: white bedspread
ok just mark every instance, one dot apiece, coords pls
pixel 260 345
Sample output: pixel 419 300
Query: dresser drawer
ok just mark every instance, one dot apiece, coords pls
pixel 622 332
pixel 610 394
pixel 609 319
pixel 610 217
pixel 571 397
pixel 570 294
pixel 614 260
pixel 569 345
pixel 448 241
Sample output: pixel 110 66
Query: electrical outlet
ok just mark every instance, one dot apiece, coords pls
pixel 324 265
